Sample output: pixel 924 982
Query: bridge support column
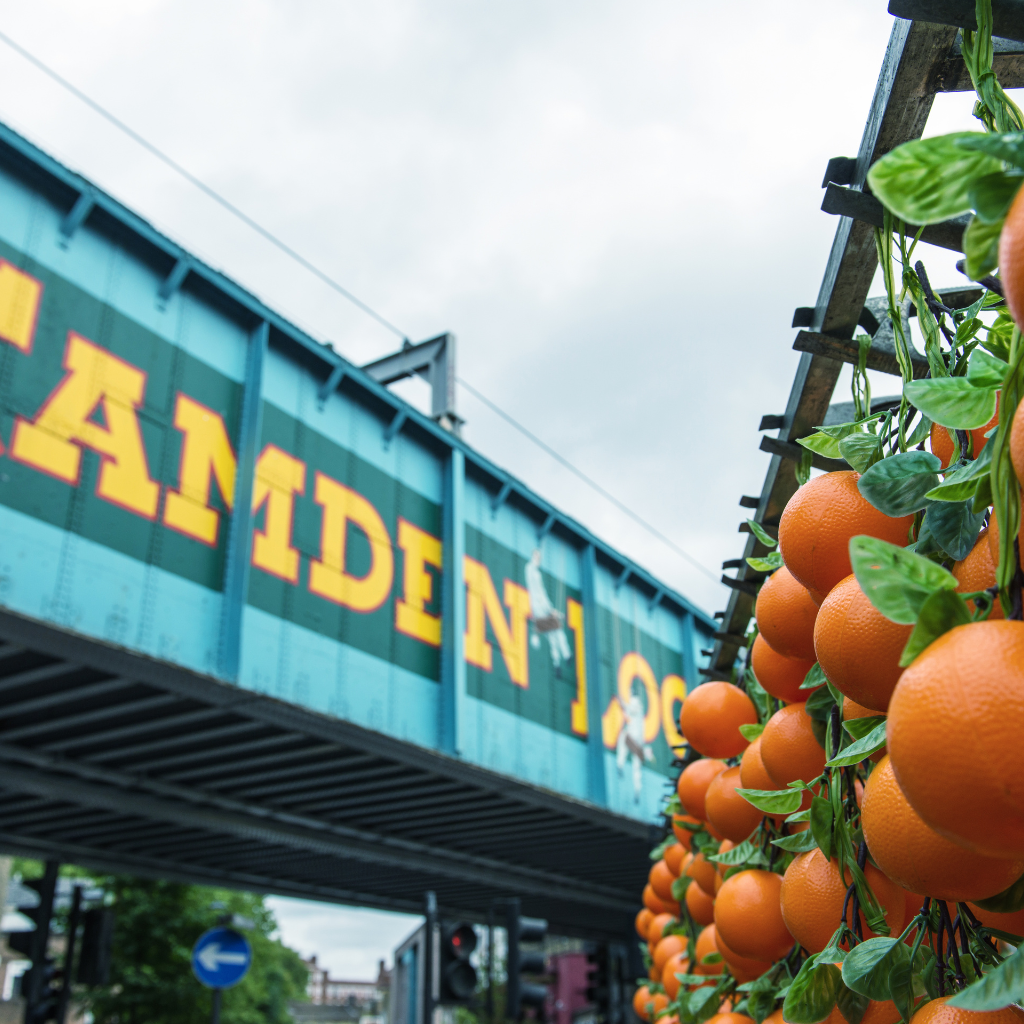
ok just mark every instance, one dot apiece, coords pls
pixel 597 788
pixel 453 608
pixel 236 560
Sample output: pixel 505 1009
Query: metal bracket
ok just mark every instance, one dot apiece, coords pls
pixel 75 217
pixel 655 600
pixel 622 577
pixel 434 360
pixel 330 385
pixel 500 498
pixel 394 427
pixel 545 527
pixel 173 281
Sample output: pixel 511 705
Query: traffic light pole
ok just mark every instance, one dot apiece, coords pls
pixel 36 975
pixel 69 955
pixel 490 966
pixel 430 992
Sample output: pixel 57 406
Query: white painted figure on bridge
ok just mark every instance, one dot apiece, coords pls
pixel 630 744
pixel 547 620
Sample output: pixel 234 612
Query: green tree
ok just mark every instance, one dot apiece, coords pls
pixel 151 980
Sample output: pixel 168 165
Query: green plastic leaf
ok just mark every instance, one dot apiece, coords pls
pixel 929 180
pixel 865 746
pixel 860 727
pixel 711 958
pixel 920 432
pixel 1008 146
pixel 955 526
pixel 737 855
pixel 659 851
pixel 866 967
pixel 761 1001
pixel 952 401
pixel 861 450
pixel 813 993
pixel 981 247
pixel 759 532
pixel 821 444
pixel 750 732
pixel 1009 901
pixel 896 581
pixel 962 484
pixel 1000 987
pixel 703 1004
pixel 943 610
pixel 772 801
pixel 897 486
pixel 799 816
pixel 679 887
pixel 852 1005
pixel 821 824
pixel 756 692
pixel 901 988
pixel 991 195
pixel 769 564
pixel 815 677
pixel 799 842
pixel 985 371
pixel 819 704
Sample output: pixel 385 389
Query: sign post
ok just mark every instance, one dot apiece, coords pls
pixel 221 958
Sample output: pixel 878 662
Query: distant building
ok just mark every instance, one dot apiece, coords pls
pixel 358 1002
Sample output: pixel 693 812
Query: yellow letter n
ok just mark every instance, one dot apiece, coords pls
pixel 52 442
pixel 482 606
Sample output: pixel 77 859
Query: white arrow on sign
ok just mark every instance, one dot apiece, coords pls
pixel 211 957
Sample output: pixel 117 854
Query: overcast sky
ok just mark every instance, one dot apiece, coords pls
pixel 614 206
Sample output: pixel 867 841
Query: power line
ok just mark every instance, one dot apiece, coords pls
pixel 589 481
pixel 202 186
pixel 331 283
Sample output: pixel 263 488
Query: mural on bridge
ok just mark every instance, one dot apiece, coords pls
pixel 118 422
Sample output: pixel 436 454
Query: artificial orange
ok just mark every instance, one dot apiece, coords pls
pixel 748 915
pixel 702 871
pixel 978 572
pixel 785 616
pixel 742 968
pixel 852 710
pixel 818 523
pixel 693 783
pixel 676 964
pixel 1011 261
pixel 706 947
pixel 648 1006
pixel 965 692
pixel 643 921
pixel 917 857
pixel 661 878
pixel 668 946
pixel 1012 923
pixel 1017 443
pixel 883 1012
pixel 813 894
pixel 942 444
pixel 711 718
pixel 938 1011
pixel 858 648
pixel 730 1018
pixel 673 857
pixel 753 774
pixel 658 925
pixel 683 834
pixel 780 676
pixel 727 810
pixel 993 537
pixel 656 905
pixel 700 905
pixel 788 747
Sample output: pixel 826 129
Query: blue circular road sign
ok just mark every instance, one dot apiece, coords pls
pixel 221 957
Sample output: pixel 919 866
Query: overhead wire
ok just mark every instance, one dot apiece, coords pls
pixel 321 275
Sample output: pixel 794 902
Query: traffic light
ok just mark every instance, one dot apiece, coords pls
pixel 97 945
pixel 458 975
pixel 521 992
pixel 604 969
pixel 37 984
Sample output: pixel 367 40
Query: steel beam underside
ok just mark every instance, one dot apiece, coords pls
pixel 124 763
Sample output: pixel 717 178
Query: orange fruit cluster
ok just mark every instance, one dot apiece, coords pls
pixel 940 806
